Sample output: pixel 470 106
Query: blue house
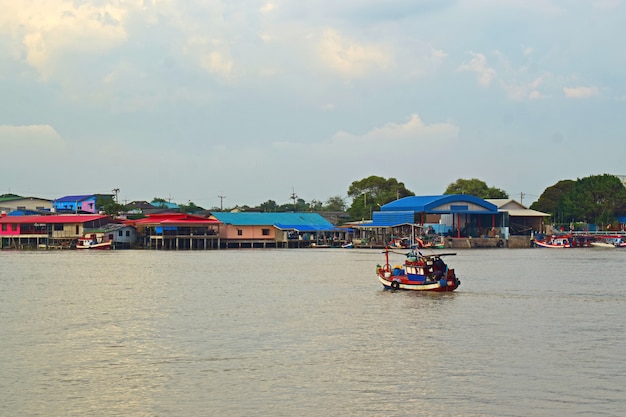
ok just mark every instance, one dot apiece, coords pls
pixel 78 203
pixel 453 215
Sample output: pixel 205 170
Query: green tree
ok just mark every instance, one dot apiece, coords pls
pixel 598 199
pixel 107 204
pixel 372 192
pixel 190 208
pixel 335 203
pixel 475 187
pixel 553 200
pixel 269 206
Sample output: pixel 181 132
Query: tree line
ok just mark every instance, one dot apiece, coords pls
pixel 597 199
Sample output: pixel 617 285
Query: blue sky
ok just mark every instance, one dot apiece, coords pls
pixel 189 100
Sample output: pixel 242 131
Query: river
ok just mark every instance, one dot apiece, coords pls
pixel 310 332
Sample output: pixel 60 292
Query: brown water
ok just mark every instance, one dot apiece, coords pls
pixel 530 332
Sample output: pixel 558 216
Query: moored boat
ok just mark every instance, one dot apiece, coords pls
pixel 93 242
pixel 609 243
pixel 558 242
pixel 418 273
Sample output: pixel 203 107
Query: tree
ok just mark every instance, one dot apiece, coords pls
pixel 335 203
pixel 552 200
pixel 190 208
pixel 269 206
pixel 372 192
pixel 107 204
pixel 475 187
pixel 598 199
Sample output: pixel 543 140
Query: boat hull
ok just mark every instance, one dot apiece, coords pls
pixel 94 246
pixel 403 283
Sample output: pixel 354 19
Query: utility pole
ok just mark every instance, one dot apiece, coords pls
pixel 116 191
pixel 294 197
pixel 521 198
pixel 221 197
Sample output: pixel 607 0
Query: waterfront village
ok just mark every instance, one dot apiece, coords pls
pixel 446 221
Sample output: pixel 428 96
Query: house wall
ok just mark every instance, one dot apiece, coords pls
pixel 124 235
pixel 68 230
pixel 247 232
pixel 88 205
pixel 26 203
pixel 7 229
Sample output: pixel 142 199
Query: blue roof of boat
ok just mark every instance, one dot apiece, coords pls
pixel 288 220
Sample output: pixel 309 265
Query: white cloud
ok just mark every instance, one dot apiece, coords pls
pixel 33 138
pixel 351 58
pixel 414 130
pixel 54 31
pixel 478 65
pixel 580 92
pixel 518 90
pixel 268 7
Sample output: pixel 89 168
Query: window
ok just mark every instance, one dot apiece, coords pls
pixel 4 227
pixel 239 232
pixel 120 233
pixel 265 232
pixel 14 227
pixel 128 233
pixel 58 227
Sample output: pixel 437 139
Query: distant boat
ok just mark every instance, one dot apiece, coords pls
pixel 418 273
pixel 93 242
pixel 558 242
pixel 348 245
pixel 609 243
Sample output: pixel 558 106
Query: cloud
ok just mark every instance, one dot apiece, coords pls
pixel 53 32
pixel 478 65
pixel 34 138
pixel 580 92
pixel 414 130
pixel 350 58
pixel 518 90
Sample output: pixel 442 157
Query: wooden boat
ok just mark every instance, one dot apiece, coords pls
pixel 93 242
pixel 418 273
pixel 348 245
pixel 558 242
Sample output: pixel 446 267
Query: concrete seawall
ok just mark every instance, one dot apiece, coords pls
pixel 491 242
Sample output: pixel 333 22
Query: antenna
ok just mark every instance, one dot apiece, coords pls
pixel 294 197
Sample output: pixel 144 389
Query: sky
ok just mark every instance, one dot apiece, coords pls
pixel 190 100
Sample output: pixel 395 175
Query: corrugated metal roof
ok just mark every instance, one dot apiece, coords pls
pixel 292 220
pixel 172 219
pixel 77 218
pixel 74 198
pixel 432 204
pixel 392 218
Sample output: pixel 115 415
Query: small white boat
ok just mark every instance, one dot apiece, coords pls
pixel 93 242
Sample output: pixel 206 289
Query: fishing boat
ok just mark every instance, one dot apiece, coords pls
pixel 609 243
pixel 418 273
pixel 93 242
pixel 558 242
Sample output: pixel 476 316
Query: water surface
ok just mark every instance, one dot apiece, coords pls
pixel 310 332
